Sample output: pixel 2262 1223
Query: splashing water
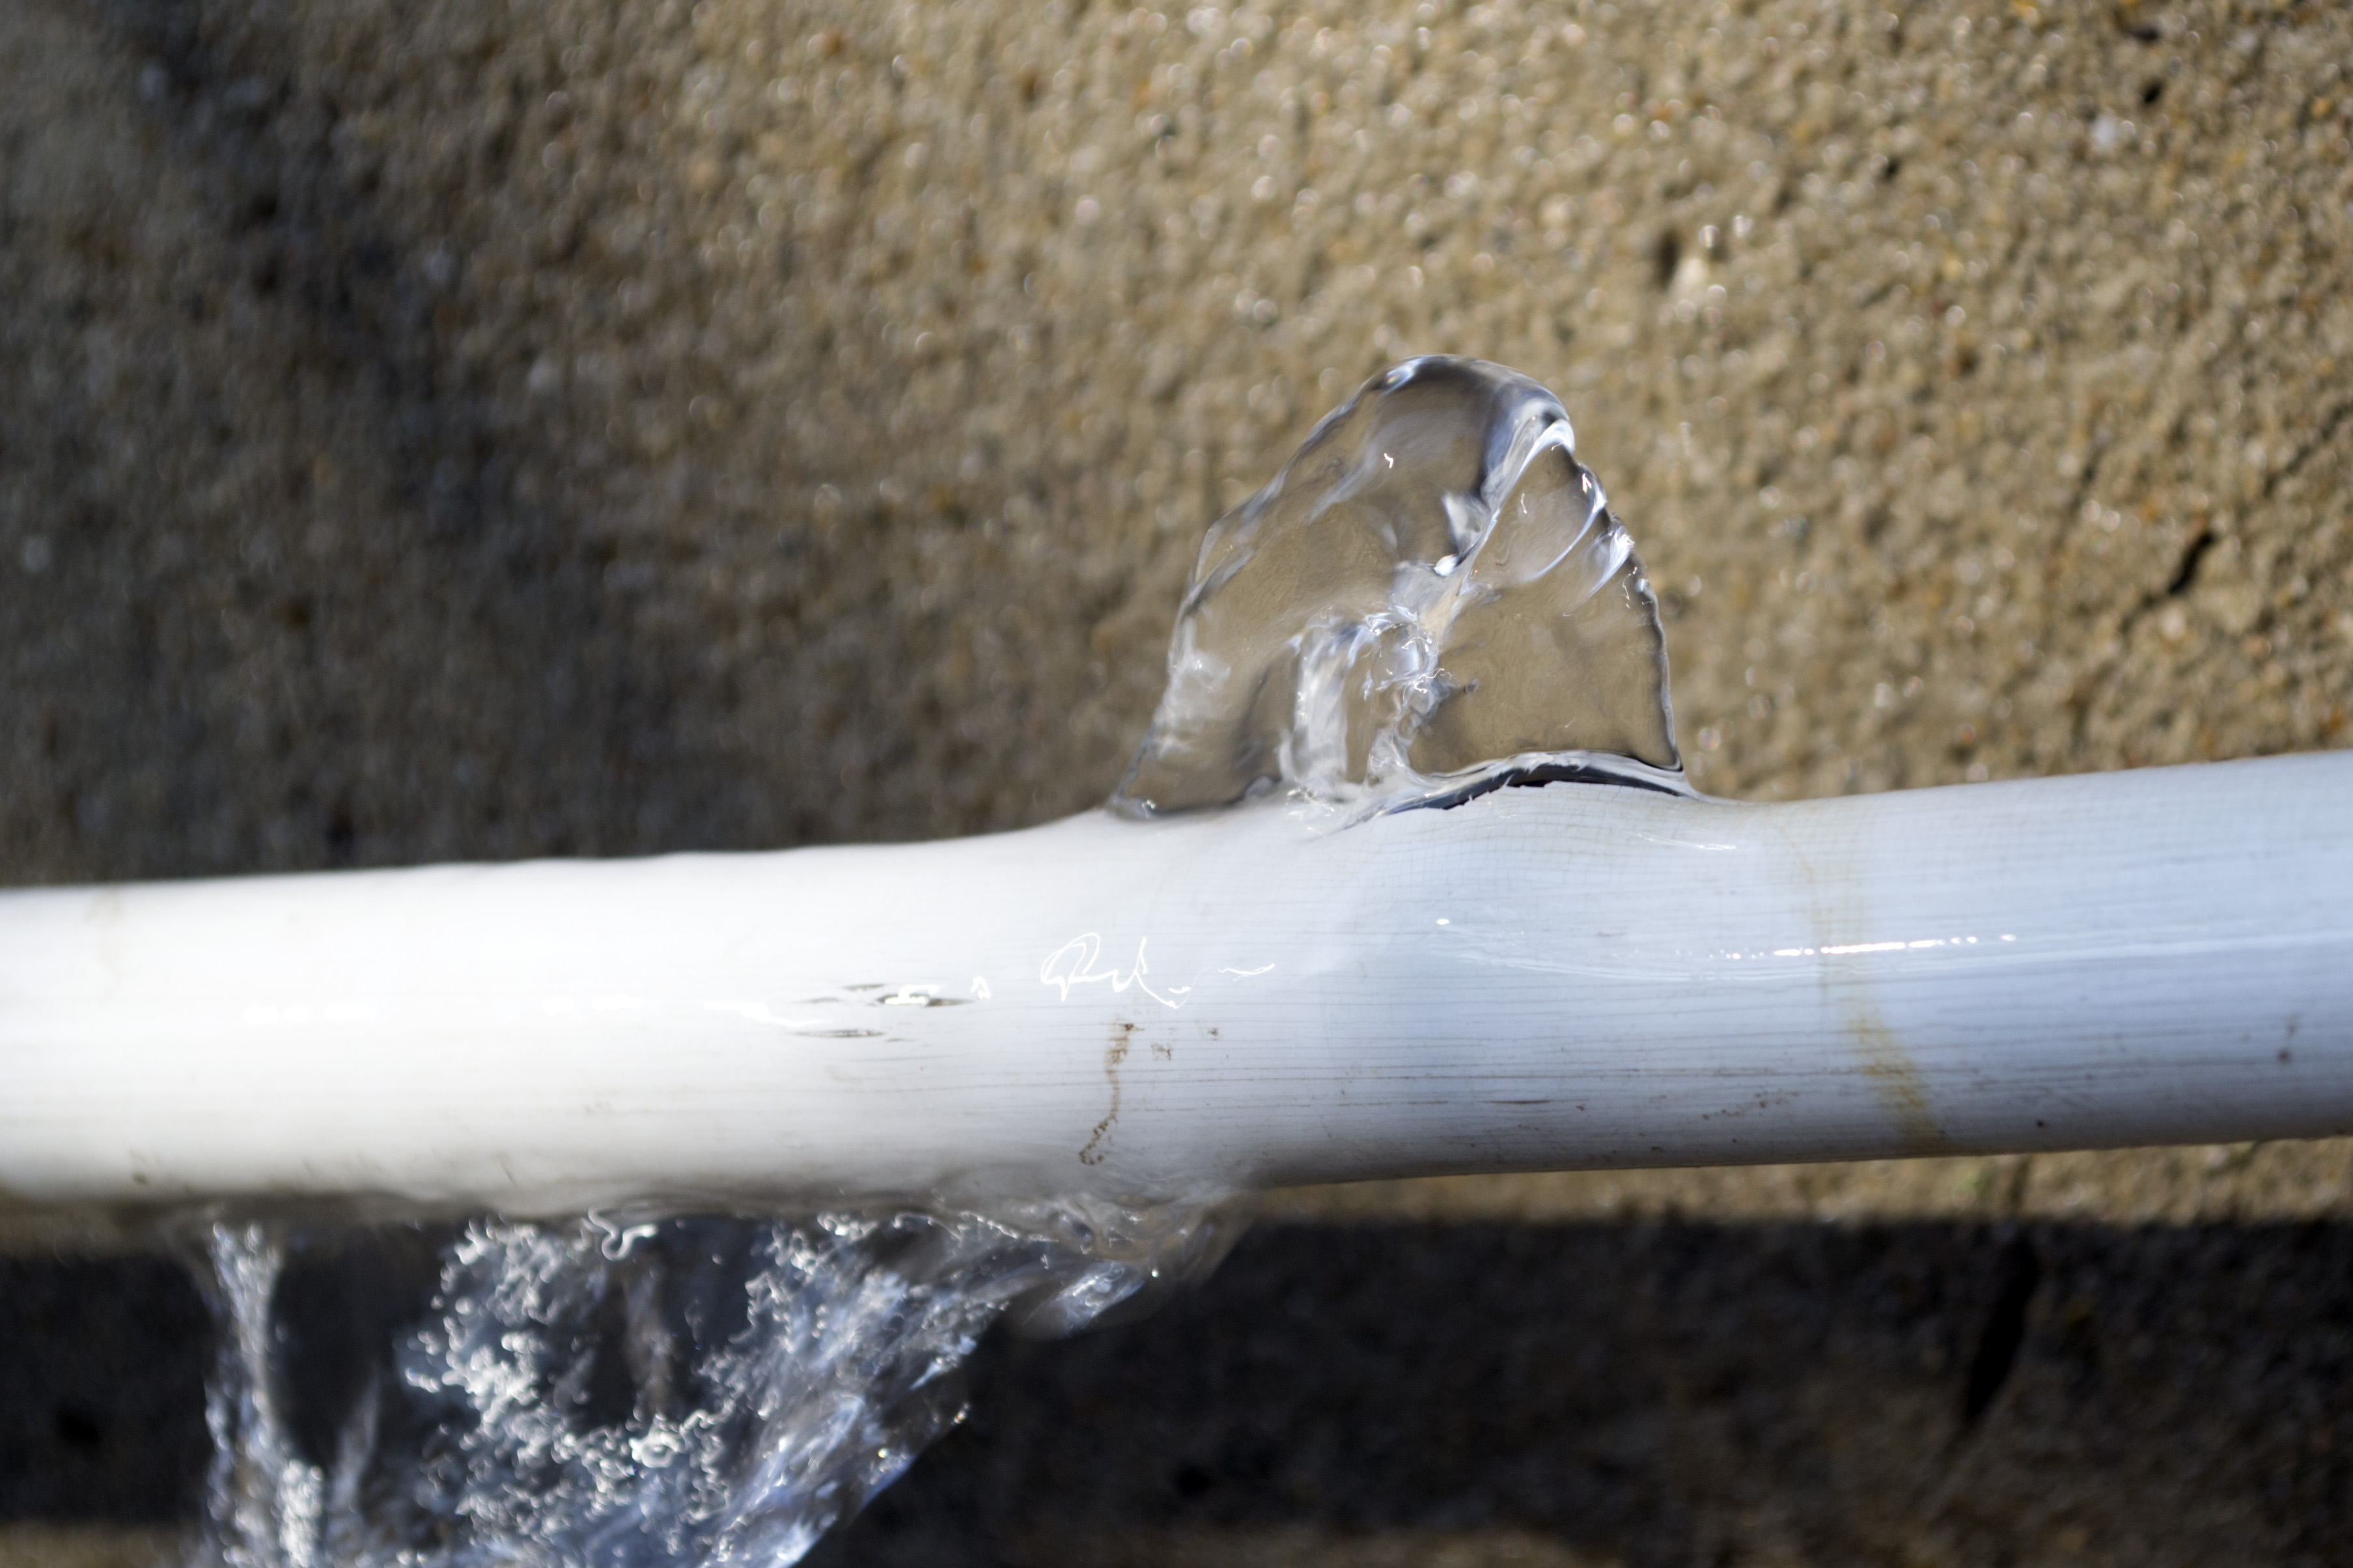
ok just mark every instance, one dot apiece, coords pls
pixel 709 1391
pixel 1433 598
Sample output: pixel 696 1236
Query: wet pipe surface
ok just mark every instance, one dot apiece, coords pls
pixel 1653 1392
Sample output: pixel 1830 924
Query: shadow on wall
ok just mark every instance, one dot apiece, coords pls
pixel 307 593
pixel 1680 1393
pixel 391 470
pixel 1649 1394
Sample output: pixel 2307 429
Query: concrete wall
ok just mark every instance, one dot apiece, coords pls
pixel 498 427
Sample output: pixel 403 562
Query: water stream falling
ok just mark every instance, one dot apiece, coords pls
pixel 696 1390
pixel 1431 600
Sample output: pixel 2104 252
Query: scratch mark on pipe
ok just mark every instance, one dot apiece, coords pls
pixel 760 1013
pixel 1684 843
pixel 919 996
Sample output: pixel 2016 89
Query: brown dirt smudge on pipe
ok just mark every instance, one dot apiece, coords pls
pixel 1114 1055
pixel 1839 920
pixel 1895 1077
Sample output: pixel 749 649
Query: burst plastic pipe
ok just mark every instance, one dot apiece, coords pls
pixel 1571 977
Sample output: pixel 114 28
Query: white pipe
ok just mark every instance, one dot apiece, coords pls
pixel 1573 976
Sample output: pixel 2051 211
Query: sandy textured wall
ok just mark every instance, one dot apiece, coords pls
pixel 492 428
pixel 487 429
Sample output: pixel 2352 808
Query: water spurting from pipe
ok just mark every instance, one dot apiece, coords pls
pixel 1431 597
